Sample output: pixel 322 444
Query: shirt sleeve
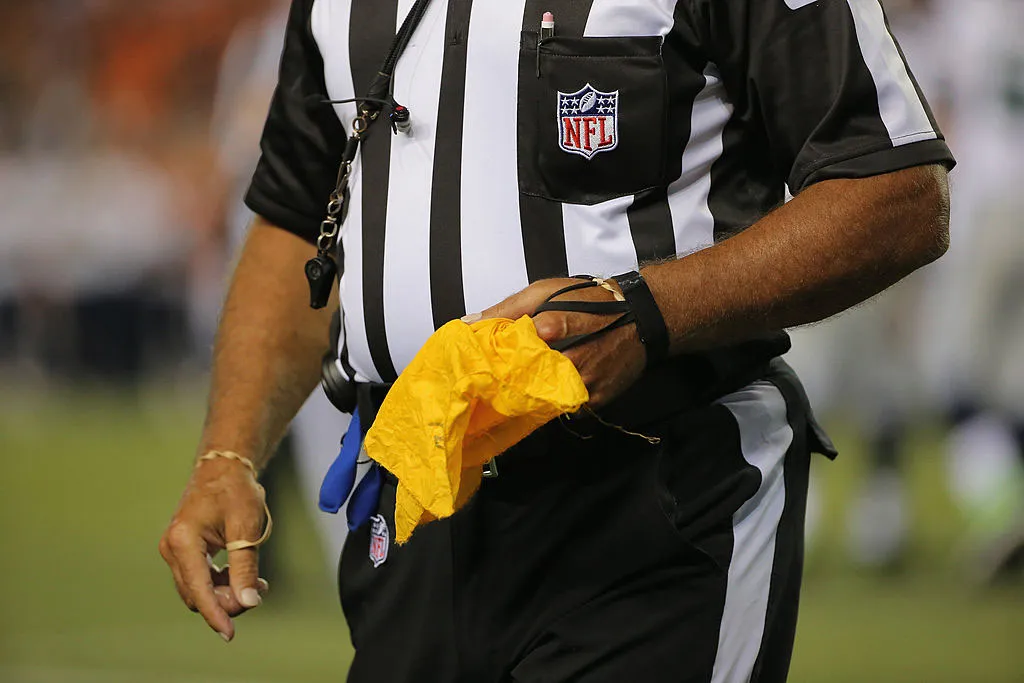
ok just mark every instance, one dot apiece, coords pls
pixel 303 139
pixel 825 82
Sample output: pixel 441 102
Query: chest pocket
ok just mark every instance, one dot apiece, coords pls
pixel 593 117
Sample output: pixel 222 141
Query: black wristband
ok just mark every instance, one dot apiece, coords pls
pixel 650 324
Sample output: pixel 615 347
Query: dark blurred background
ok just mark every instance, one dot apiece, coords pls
pixel 127 133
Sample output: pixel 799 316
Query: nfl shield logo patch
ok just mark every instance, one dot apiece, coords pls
pixel 380 539
pixel 588 121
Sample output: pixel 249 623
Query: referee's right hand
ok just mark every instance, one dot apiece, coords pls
pixel 222 503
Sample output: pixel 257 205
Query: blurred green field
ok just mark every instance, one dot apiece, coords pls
pixel 89 481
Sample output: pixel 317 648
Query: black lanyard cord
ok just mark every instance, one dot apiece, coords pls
pixel 409 26
pixel 322 270
pixel 383 84
pixel 380 103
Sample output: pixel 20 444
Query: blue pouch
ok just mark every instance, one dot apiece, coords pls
pixel 341 476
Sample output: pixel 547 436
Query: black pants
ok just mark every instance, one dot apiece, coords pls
pixel 598 557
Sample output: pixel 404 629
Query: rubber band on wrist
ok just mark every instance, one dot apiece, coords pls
pixel 232 546
pixel 603 283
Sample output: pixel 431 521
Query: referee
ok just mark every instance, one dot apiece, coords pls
pixel 651 141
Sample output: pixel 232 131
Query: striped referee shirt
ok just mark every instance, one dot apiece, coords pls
pixel 645 129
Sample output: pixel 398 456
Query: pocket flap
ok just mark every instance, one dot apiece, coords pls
pixel 576 46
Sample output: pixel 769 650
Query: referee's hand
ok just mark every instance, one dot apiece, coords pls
pixel 608 364
pixel 221 503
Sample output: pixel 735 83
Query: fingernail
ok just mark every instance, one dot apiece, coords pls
pixel 472 318
pixel 224 636
pixel 249 597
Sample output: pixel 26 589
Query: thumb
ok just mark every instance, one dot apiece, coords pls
pixel 243 563
pixel 513 308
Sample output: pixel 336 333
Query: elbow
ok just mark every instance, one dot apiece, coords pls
pixel 928 213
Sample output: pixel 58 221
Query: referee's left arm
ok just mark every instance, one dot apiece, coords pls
pixel 835 245
pixel 821 94
pixel 825 85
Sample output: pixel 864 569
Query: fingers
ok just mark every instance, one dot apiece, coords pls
pixel 172 563
pixel 553 326
pixel 225 596
pixel 221 577
pixel 244 577
pixel 509 308
pixel 192 576
pixel 521 303
pixel 499 310
pixel 179 585
pixel 227 601
pixel 243 568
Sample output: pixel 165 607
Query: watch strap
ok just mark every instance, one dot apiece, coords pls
pixel 650 324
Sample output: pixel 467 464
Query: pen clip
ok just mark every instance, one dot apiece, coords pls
pixel 547 30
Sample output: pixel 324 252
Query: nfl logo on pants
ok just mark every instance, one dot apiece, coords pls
pixel 588 121
pixel 380 539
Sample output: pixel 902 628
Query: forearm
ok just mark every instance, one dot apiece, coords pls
pixel 268 348
pixel 837 244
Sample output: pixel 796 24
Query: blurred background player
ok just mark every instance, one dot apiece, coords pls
pixel 974 308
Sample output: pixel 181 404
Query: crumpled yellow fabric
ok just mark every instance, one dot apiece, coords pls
pixel 470 393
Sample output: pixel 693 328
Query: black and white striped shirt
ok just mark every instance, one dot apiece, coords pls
pixel 646 129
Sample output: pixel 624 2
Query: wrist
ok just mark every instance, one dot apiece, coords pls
pixel 245 437
pixel 650 324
